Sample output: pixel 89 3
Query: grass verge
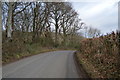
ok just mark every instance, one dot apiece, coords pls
pixel 80 68
pixel 88 66
pixel 30 51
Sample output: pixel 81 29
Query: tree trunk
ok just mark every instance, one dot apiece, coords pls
pixel 56 34
pixel 9 22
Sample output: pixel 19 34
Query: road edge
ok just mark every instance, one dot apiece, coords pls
pixel 12 61
pixel 80 68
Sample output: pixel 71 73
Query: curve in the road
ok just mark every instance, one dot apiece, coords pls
pixel 56 64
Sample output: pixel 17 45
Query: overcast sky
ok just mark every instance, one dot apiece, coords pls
pixel 98 14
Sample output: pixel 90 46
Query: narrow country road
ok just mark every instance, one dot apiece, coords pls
pixel 56 64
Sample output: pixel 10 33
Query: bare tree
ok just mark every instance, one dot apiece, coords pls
pixel 56 15
pixel 13 10
pixel 93 32
pixel 67 20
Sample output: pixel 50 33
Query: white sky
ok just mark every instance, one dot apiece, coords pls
pixel 98 14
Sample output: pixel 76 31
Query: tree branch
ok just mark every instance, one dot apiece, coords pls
pixel 21 10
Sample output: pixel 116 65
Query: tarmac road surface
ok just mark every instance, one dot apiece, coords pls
pixel 56 64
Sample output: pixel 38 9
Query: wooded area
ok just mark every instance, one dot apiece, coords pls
pixel 39 18
pixel 43 24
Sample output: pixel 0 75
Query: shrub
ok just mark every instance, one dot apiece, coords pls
pixel 104 53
